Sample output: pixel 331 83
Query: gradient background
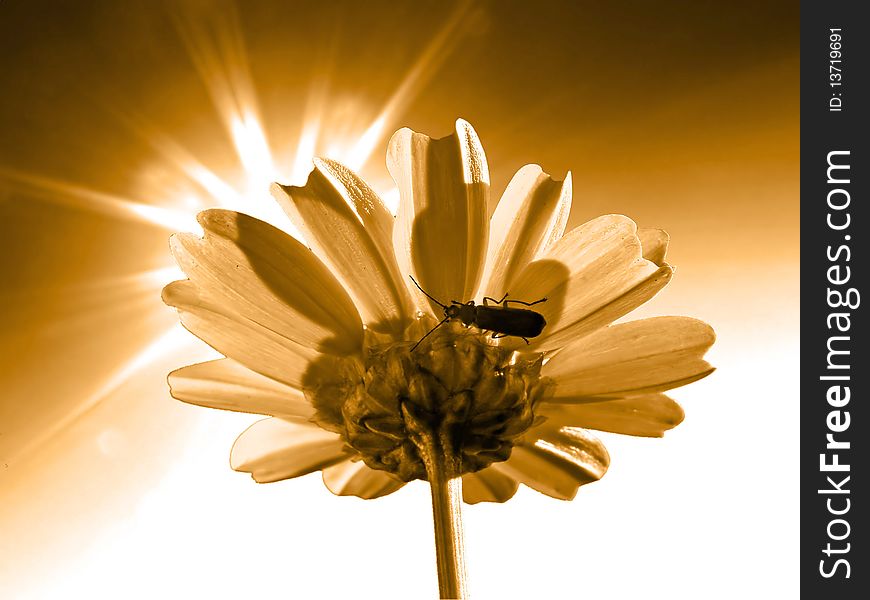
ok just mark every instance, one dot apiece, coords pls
pixel 120 120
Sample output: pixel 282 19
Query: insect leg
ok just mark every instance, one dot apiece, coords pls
pixel 525 303
pixel 485 298
pixel 496 335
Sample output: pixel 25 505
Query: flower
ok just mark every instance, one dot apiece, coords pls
pixel 324 340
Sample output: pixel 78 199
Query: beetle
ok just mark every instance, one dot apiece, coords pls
pixel 501 319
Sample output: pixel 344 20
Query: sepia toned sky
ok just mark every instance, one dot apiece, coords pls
pixel 119 121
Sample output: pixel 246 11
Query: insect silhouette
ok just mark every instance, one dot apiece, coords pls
pixel 501 319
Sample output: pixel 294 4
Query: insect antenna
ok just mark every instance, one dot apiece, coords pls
pixel 444 320
pixel 428 296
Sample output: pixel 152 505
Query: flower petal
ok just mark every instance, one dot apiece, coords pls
pixel 558 463
pixel 531 215
pixel 354 478
pixel 256 270
pixel 488 485
pixel 650 355
pixel 615 308
pixel 257 347
pixel 655 244
pixel 275 449
pixel 442 226
pixel 349 228
pixel 649 415
pixel 227 385
pixel 367 205
pixel 591 277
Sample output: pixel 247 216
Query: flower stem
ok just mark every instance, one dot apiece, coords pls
pixel 435 443
pixel 446 504
pixel 446 485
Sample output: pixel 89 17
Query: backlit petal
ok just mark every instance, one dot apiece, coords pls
pixel 275 449
pixel 354 478
pixel 442 226
pixel 558 463
pixel 617 307
pixel 257 347
pixel 227 385
pixel 259 272
pixel 655 244
pixel 349 228
pixel 365 202
pixel 591 277
pixel 488 485
pixel 648 415
pixel 650 355
pixel 531 216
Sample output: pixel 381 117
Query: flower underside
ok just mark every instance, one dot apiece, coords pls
pixel 475 397
pixel 320 336
pixel 331 340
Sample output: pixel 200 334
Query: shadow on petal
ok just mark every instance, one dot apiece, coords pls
pixel 328 382
pixel 544 278
pixel 530 216
pixel 488 485
pixel 293 274
pixel 557 463
pixel 442 226
pixel 633 358
pixel 331 210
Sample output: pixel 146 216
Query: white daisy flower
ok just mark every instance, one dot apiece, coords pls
pixel 326 340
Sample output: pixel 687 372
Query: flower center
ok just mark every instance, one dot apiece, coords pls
pixel 475 398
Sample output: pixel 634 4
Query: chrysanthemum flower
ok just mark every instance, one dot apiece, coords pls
pixel 324 339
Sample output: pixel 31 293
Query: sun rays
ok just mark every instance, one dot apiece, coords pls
pixel 438 49
pixel 215 45
pixel 84 198
pixel 170 341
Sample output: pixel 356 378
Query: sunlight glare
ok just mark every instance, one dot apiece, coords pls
pixel 363 149
pixel 305 152
pixel 160 277
pixel 391 199
pixel 170 219
pixel 61 192
pixel 252 147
